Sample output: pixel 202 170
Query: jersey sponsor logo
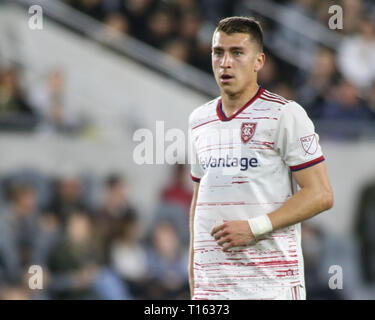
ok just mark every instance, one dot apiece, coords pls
pixel 247 131
pixel 243 163
pixel 309 144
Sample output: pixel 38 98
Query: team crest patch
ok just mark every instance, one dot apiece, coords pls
pixel 309 144
pixel 247 131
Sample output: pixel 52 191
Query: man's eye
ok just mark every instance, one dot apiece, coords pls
pixel 237 53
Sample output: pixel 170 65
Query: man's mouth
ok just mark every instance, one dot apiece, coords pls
pixel 225 78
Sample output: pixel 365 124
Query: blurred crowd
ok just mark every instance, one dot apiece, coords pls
pixel 86 232
pixel 42 105
pixel 338 87
pixel 88 237
pixel 90 244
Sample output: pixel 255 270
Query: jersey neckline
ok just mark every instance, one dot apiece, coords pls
pixel 222 115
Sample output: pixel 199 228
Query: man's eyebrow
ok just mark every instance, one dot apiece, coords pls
pixel 231 48
pixel 236 48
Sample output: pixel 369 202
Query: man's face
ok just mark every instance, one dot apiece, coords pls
pixel 235 61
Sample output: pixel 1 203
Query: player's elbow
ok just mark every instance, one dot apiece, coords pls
pixel 326 199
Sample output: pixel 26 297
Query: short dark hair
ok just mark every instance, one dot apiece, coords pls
pixel 17 190
pixel 113 180
pixel 242 25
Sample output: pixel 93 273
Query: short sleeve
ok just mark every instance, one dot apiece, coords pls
pixel 196 171
pixel 296 140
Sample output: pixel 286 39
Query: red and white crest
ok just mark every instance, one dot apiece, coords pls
pixel 247 131
pixel 309 144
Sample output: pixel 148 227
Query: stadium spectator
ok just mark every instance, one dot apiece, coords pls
pixel 189 26
pixel 178 192
pixel 356 58
pixel 138 12
pixel 315 85
pixel 175 215
pixel 177 49
pixel 175 201
pixel 353 15
pixel 346 104
pixel 12 99
pixel 67 199
pixel 116 24
pixel 49 100
pixel 128 256
pixel 113 207
pixel 15 112
pixel 161 27
pixel 23 241
pixel 167 264
pixel 115 202
pixel 76 266
pixel 186 5
pixel 347 111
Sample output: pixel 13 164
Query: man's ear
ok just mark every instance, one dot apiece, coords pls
pixel 259 62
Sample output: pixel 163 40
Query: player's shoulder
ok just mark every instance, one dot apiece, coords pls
pixel 278 102
pixel 272 99
pixel 204 111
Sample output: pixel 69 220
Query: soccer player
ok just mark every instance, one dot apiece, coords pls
pixel 251 148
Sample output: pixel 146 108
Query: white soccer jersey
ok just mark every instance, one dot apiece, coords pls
pixel 244 166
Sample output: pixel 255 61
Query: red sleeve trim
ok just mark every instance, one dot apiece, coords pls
pixel 194 178
pixel 307 164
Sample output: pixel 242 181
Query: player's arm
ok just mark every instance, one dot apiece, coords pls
pixel 191 226
pixel 315 196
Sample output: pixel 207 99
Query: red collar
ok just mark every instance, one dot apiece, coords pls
pixel 223 117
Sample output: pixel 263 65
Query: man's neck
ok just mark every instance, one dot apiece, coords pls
pixel 232 103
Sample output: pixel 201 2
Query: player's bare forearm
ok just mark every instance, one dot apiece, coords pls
pixel 191 226
pixel 314 197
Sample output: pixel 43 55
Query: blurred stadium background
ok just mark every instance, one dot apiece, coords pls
pixel 72 95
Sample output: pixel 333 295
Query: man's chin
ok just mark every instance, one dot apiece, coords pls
pixel 228 90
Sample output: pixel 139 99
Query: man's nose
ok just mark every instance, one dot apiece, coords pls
pixel 226 61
